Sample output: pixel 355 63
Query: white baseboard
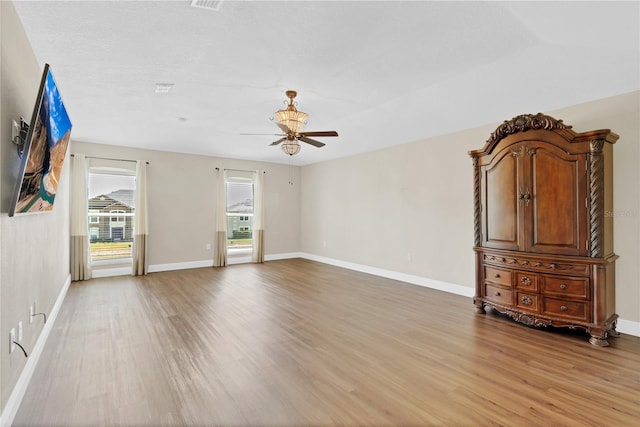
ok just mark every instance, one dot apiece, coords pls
pixel 628 327
pixel 389 274
pixel 15 399
pixel 179 266
pixel 290 255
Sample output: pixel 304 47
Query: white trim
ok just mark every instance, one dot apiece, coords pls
pixel 389 274
pixel 179 266
pixel 15 399
pixel 289 255
pixel 628 327
pixel 110 272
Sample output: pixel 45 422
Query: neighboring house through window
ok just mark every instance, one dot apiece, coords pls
pixel 239 214
pixel 111 211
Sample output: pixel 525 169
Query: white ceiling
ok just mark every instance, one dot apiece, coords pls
pixel 379 73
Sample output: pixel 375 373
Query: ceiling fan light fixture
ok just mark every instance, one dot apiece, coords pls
pixel 291 147
pixel 291 117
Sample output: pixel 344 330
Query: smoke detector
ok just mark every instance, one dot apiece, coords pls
pixel 207 4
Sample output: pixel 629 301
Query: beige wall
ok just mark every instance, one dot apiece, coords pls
pixel 181 197
pixel 34 249
pixel 409 208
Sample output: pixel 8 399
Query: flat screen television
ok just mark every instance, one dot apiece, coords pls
pixel 44 151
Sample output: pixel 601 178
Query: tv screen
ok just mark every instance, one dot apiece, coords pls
pixel 44 151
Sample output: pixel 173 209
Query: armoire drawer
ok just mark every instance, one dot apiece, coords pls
pixel 576 310
pixel 527 302
pixel 497 275
pixel 498 294
pixel 573 287
pixel 527 281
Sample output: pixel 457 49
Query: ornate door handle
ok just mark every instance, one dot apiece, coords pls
pixel 526 300
pixel 563 286
pixel 564 308
pixel 525 281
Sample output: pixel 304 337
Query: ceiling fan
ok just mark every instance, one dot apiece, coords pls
pixel 290 122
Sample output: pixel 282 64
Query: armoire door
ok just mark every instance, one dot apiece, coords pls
pixel 501 213
pixel 555 200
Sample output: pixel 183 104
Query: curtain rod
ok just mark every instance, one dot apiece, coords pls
pixel 239 170
pixel 107 158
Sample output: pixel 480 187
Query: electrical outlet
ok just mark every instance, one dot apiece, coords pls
pixel 208 246
pixel 12 338
pixel 20 331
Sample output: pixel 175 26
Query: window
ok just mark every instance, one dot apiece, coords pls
pixel 239 214
pixel 94 234
pixel 118 218
pixel 93 219
pixel 111 210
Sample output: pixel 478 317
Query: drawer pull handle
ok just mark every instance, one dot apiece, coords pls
pixel 497 294
pixel 563 286
pixel 526 281
pixel 553 266
pixel 564 308
pixel 496 275
pixel 526 300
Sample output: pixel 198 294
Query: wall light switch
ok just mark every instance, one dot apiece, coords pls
pixel 20 331
pixel 208 246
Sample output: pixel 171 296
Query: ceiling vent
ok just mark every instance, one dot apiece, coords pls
pixel 207 4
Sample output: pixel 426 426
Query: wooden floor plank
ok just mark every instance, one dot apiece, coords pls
pixel 297 343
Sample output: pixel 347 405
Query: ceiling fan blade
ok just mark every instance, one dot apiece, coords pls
pixel 270 134
pixel 320 133
pixel 311 141
pixel 284 128
pixel 278 141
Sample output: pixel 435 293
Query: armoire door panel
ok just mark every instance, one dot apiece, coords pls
pixel 556 213
pixel 500 202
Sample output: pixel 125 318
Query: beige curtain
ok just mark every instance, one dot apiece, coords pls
pixel 257 254
pixel 220 253
pixel 140 222
pixel 80 251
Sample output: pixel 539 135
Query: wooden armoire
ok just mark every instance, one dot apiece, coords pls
pixel 544 225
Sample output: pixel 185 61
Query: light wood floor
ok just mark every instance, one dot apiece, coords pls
pixel 300 343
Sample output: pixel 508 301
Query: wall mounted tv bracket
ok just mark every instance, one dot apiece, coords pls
pixel 19 135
